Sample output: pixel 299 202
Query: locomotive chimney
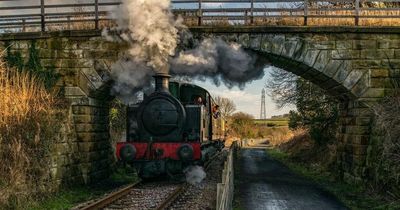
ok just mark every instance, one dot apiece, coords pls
pixel 162 82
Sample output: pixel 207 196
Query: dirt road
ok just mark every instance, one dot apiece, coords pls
pixel 264 183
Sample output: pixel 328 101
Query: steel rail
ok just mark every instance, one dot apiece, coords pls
pixel 172 197
pixel 181 189
pixel 110 198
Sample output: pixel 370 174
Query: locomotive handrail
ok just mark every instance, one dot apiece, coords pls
pixel 19 17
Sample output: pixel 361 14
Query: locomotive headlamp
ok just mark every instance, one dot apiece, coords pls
pixel 185 152
pixel 127 153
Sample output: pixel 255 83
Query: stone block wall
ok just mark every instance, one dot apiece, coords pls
pixel 354 132
pixel 82 153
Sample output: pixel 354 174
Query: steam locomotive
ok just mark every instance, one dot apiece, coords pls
pixel 178 125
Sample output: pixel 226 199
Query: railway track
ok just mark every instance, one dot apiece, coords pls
pixel 141 195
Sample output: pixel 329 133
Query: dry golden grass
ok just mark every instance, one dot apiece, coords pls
pixel 26 127
pixel 312 21
pixel 81 22
pixel 22 97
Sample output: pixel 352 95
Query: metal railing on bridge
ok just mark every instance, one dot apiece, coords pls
pixel 18 15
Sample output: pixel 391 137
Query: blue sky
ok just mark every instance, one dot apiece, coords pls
pixel 249 99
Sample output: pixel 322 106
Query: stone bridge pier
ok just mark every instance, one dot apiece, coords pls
pixel 83 153
pixel 355 65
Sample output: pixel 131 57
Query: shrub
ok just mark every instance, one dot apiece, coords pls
pixel 27 126
pixel 386 155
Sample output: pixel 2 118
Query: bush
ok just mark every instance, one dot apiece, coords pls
pixel 27 128
pixel 385 157
pixel 316 111
pixel 117 120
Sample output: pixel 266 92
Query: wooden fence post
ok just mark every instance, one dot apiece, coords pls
pixel 96 11
pixel 42 15
pixel 357 12
pixel 200 21
pixel 305 11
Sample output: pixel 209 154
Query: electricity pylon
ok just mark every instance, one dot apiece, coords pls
pixel 263 114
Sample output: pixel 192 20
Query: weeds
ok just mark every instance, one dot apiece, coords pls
pixel 354 196
pixel 385 159
pixel 27 127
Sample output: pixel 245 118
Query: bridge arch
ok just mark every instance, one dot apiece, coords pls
pixel 315 58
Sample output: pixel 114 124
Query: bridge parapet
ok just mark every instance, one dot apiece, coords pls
pixel 96 14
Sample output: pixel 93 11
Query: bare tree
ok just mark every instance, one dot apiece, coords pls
pixel 282 87
pixel 226 106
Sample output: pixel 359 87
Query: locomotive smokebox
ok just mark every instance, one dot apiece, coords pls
pixel 162 82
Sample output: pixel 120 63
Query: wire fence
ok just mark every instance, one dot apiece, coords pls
pixel 41 15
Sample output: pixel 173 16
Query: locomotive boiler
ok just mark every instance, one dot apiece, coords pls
pixel 178 125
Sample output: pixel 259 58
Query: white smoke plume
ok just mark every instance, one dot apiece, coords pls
pixel 151 30
pixel 194 174
pixel 216 59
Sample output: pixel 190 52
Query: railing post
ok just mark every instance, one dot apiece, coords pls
pixel 42 15
pixel 357 12
pixel 305 11
pixel 69 22
pixel 200 21
pixel 96 11
pixel 23 25
pixel 251 12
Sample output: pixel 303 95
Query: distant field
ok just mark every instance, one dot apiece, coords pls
pixel 272 122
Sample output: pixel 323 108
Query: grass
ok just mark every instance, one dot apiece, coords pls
pixel 27 128
pixel 70 197
pixel 272 122
pixel 357 197
pixel 67 199
pixel 191 20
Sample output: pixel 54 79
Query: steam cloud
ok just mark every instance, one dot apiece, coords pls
pixel 152 32
pixel 218 60
pixel 194 174
pixel 150 29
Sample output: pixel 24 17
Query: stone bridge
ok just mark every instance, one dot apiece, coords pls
pixel 357 65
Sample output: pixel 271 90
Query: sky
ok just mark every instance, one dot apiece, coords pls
pixel 249 99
